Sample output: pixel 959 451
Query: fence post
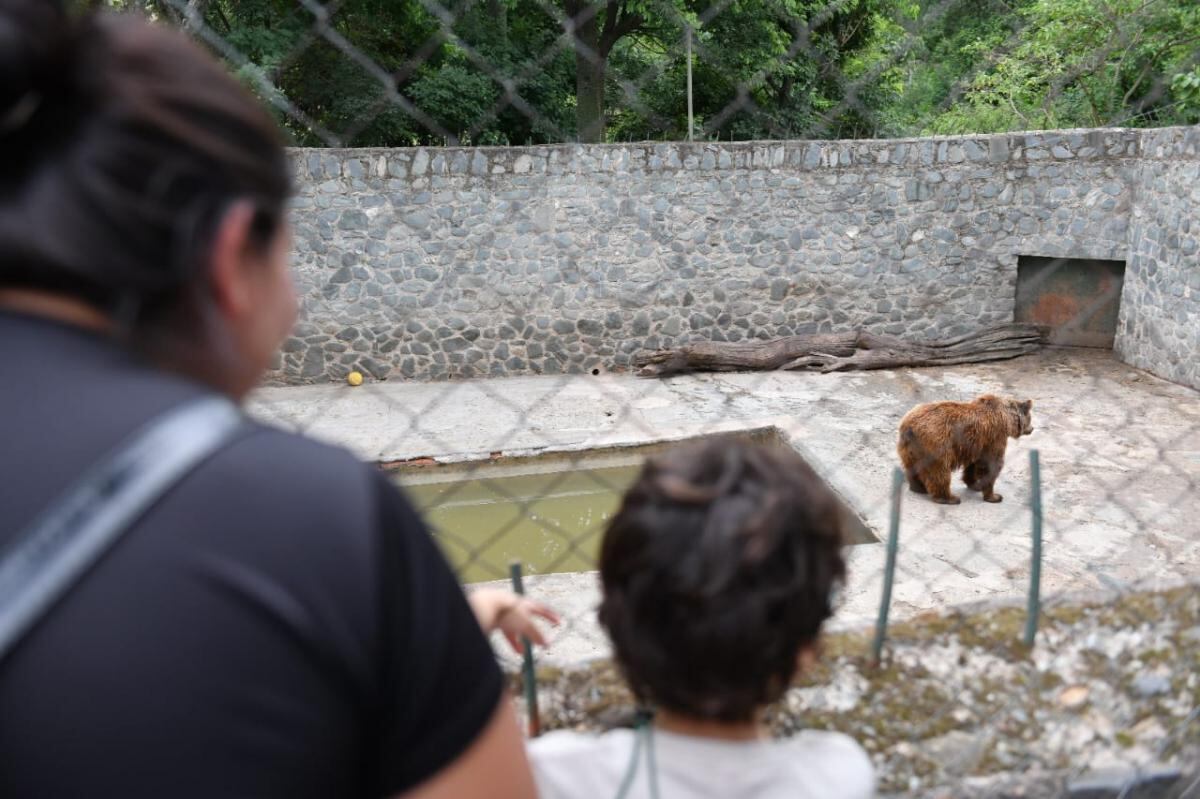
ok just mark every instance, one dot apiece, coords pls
pixel 691 125
pixel 529 677
pixel 889 570
pixel 1035 565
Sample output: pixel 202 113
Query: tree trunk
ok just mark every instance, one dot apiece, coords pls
pixel 589 88
pixel 590 65
pixel 836 352
pixel 499 15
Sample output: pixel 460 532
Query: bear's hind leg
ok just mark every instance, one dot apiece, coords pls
pixel 975 474
pixel 914 481
pixel 937 480
pixel 990 470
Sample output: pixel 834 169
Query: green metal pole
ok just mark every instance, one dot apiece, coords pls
pixel 529 677
pixel 889 570
pixel 1035 565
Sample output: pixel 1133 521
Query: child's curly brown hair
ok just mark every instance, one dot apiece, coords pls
pixel 718 569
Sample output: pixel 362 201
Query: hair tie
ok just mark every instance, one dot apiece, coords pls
pixel 15 117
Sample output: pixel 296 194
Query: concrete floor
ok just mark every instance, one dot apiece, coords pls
pixel 1119 449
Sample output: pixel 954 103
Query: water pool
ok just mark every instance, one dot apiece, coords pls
pixel 547 511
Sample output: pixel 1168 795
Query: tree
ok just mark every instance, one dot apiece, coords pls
pixel 1086 63
pixel 596 27
pixel 764 69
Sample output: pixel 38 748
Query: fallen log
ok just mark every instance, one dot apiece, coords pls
pixel 836 352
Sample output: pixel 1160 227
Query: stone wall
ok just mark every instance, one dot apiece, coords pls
pixel 441 263
pixel 1159 328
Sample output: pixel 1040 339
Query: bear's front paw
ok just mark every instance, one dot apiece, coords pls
pixel 993 498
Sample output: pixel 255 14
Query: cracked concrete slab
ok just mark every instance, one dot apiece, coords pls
pixel 1119 450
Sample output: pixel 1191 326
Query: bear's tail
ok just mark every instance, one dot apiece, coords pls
pixel 908 447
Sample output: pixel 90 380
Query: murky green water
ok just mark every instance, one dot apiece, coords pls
pixel 548 512
pixel 550 521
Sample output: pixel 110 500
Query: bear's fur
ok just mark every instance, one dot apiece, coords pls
pixel 939 437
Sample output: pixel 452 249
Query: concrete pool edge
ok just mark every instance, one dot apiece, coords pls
pixel 615 442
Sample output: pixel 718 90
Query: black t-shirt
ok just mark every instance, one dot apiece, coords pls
pixel 279 625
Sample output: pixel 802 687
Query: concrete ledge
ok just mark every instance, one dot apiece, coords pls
pixel 1154 782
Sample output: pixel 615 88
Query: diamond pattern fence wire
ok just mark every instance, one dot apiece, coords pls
pixel 528 469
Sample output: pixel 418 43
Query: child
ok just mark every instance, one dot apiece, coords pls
pixel 718 572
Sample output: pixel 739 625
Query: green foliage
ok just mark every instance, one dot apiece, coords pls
pixel 1185 90
pixel 927 53
pixel 408 72
pixel 1086 63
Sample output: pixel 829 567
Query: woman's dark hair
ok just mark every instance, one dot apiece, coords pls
pixel 717 570
pixel 123 145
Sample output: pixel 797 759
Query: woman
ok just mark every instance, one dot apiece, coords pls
pixel 279 623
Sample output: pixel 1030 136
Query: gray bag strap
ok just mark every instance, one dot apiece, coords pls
pixel 47 558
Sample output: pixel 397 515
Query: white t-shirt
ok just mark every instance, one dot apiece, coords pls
pixel 811 765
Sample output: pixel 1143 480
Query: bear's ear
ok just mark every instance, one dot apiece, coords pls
pixel 1027 405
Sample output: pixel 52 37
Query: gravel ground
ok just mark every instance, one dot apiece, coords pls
pixel 959 708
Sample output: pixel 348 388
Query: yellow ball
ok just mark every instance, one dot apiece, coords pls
pixel 354 378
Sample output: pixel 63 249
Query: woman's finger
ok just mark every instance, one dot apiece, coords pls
pixel 530 630
pixel 538 609
pixel 519 621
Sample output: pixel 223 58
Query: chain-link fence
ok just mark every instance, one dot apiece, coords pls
pixel 559 271
pixel 958 701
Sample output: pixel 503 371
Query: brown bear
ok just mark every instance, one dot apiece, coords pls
pixel 939 437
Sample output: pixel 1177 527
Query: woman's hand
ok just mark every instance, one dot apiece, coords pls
pixel 513 615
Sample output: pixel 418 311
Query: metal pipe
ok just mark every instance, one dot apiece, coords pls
pixel 529 677
pixel 889 569
pixel 1035 564
pixel 691 124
